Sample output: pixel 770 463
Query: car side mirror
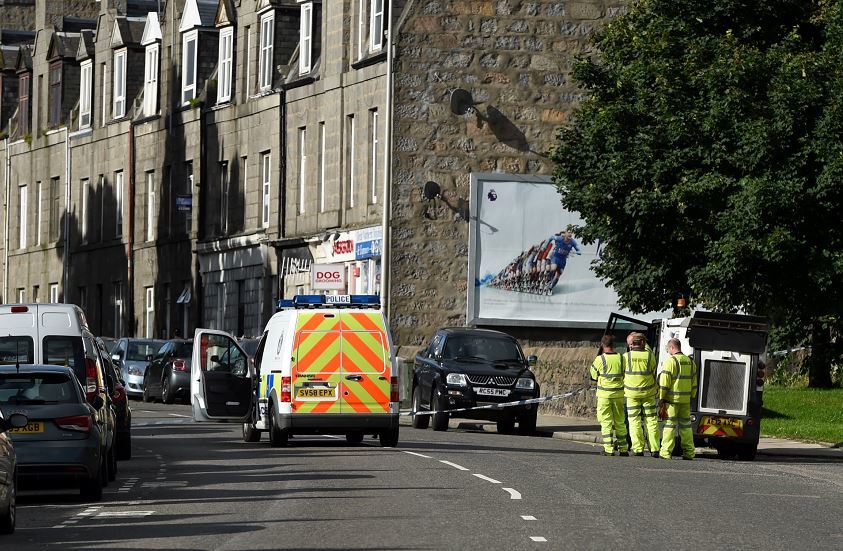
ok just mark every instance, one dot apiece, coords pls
pixel 149 357
pixel 97 402
pixel 532 361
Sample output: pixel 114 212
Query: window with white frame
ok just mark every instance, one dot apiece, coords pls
pixel 302 168
pixel 305 37
pixel 373 154
pixel 149 317
pixel 224 192
pixel 188 66
pixel 150 206
pixel 150 80
pixel 54 294
pixel 118 204
pixel 266 170
pixel 117 297
pixel 21 295
pixel 38 197
pixel 104 94
pixel 349 151
pixel 85 79
pixel 226 63
pixel 361 27
pixel 86 207
pixel 376 25
pixel 119 84
pixel 24 208
pixel 267 41
pixel 321 162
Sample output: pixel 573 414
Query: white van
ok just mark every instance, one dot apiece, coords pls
pixel 324 365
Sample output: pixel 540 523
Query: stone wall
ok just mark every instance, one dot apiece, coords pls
pixel 515 59
pixel 17 15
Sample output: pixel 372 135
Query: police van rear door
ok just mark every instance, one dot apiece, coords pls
pixel 619 326
pixel 365 363
pixel 316 371
pixel 220 376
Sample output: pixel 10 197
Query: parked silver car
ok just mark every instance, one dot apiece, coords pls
pixel 62 440
pixel 132 357
pixel 8 471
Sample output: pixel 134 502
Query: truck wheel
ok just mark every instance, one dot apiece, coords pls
pixel 250 433
pixel 419 421
pixel 440 420
pixel 277 436
pixel 354 438
pixel 747 452
pixel 389 438
pixel 527 422
pixel 725 451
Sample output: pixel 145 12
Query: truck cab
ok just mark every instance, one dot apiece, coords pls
pixel 729 350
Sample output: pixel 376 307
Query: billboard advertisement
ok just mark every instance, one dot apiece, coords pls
pixel 524 266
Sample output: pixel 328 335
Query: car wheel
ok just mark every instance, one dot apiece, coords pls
pixel 277 436
pixel 124 447
pixel 147 397
pixel 389 438
pixel 440 420
pixel 506 425
pixel 7 518
pixel 112 465
pixel 91 488
pixel 419 421
pixel 527 422
pixel 166 391
pixel 250 433
pixel 354 437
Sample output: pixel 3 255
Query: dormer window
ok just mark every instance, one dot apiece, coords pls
pixel 85 80
pixel 150 80
pixel 24 86
pixel 55 94
pixel 306 38
pixel 267 41
pixel 226 65
pixel 119 87
pixel 188 66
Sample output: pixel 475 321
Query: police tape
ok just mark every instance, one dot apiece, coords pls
pixel 501 405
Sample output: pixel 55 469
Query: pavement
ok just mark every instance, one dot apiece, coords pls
pixel 580 429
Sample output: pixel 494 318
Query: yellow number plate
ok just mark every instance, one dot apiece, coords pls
pixel 722 422
pixel 317 392
pixel 30 428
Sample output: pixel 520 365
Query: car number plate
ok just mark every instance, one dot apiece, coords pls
pixel 318 393
pixel 722 422
pixel 337 299
pixel 31 428
pixel 492 391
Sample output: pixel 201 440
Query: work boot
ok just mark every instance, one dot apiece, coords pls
pixel 607 454
pixel 638 454
pixel 655 454
pixel 623 454
pixel 686 458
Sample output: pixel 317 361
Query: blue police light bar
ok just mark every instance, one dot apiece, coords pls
pixel 331 301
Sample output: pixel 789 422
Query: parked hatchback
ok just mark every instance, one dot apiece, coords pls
pixel 62 441
pixel 132 356
pixel 120 403
pixel 465 368
pixel 168 375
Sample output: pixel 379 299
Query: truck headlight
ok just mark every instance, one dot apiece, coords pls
pixel 525 383
pixel 457 379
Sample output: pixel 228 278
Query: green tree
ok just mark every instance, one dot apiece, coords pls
pixel 709 156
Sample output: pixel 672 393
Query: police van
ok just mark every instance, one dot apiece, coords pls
pixel 324 365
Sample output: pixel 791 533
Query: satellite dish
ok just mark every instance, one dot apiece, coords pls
pixel 461 101
pixel 431 190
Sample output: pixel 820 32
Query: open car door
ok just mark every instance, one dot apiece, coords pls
pixel 221 378
pixel 619 326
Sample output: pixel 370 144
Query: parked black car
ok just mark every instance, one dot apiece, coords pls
pixel 462 368
pixel 120 403
pixel 168 375
pixel 62 441
pixel 8 471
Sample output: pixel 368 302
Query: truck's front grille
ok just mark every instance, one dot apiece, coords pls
pixel 497 380
pixel 723 385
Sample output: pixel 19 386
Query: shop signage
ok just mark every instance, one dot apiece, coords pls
pixel 343 247
pixel 368 243
pixel 184 203
pixel 328 277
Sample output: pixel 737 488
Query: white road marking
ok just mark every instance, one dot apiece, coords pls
pixel 513 494
pixel 78 516
pixel 486 478
pixel 331 436
pixel 527 517
pixel 178 415
pixel 781 495
pixel 537 538
pixel 454 465
pixel 419 454
pixel 124 514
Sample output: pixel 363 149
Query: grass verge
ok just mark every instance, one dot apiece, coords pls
pixel 803 414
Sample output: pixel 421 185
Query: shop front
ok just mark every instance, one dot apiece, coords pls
pixel 358 253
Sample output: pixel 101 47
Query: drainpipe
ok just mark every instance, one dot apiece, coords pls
pixel 8 177
pixel 130 247
pixel 386 242
pixel 66 253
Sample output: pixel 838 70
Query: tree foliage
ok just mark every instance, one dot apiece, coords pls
pixel 709 156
